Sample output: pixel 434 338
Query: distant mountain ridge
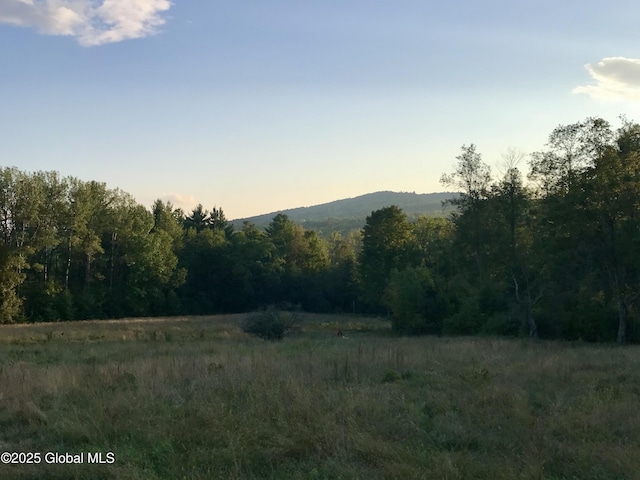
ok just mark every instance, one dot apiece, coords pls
pixel 353 211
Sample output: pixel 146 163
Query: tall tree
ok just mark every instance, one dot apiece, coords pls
pixel 588 221
pixel 388 243
pixel 570 150
pixel 473 178
pixel 204 258
pixel 90 202
pixel 342 277
pixel 303 257
pixel 218 221
pixel 612 207
pixel 168 219
pixel 511 254
pixel 198 219
pixel 21 201
pixel 255 268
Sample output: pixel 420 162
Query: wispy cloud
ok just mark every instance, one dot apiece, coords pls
pixel 617 78
pixel 91 22
pixel 185 202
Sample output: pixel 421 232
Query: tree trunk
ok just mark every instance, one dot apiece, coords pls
pixel 87 278
pixel 45 270
pixel 529 304
pixel 622 322
pixel 533 328
pixel 66 275
pixel 114 237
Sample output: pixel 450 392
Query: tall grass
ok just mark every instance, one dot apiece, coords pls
pixel 196 398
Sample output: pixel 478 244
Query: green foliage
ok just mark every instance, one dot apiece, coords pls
pixel 198 220
pixel 387 244
pixel 467 320
pixel 270 324
pixel 168 220
pixel 414 302
pixel 479 309
pixel 11 275
pixel 554 258
pixel 390 376
pixel 342 276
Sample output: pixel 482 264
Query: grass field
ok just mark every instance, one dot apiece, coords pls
pixel 195 398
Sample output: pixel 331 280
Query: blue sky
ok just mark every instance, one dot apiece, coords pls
pixel 255 106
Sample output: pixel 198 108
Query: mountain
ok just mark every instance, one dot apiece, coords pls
pixel 350 213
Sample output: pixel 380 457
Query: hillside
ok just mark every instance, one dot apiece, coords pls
pixel 349 213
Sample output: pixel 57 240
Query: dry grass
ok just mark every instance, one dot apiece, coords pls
pixel 196 398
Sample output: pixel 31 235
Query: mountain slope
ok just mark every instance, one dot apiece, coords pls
pixel 353 211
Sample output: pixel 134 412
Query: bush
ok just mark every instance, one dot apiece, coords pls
pixel 270 324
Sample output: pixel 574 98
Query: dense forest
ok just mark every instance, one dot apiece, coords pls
pixel 556 256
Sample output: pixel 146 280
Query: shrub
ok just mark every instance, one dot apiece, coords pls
pixel 390 376
pixel 270 324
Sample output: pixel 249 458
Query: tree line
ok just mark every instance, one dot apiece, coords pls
pixel 557 256
pixel 78 250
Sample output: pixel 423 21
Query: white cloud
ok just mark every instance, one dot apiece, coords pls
pixel 617 78
pixel 185 202
pixel 91 22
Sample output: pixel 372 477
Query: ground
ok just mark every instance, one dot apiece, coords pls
pixel 196 398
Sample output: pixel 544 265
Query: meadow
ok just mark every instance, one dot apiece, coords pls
pixel 196 398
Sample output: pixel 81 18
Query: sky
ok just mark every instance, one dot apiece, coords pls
pixel 256 106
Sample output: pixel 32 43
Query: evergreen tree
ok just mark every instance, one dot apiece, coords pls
pixel 388 243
